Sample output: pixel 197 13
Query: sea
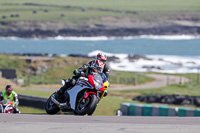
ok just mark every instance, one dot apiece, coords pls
pixel 164 54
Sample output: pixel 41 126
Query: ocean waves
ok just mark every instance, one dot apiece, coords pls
pixel 152 63
pixel 104 38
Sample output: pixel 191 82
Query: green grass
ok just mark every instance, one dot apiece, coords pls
pixel 96 10
pixel 11 62
pixel 29 110
pixel 119 4
pixel 37 93
pixel 192 88
pixel 186 89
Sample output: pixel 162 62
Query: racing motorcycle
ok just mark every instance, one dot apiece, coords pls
pixel 81 99
pixel 6 107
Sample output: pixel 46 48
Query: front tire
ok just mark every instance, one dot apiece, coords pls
pixel 51 107
pixel 87 106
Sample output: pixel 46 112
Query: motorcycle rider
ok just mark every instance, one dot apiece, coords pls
pixel 100 57
pixel 9 94
pixel 95 66
pixel 106 71
pixel 103 58
pixel 100 65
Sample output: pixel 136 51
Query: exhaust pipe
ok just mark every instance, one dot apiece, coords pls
pixel 60 105
pixel 55 101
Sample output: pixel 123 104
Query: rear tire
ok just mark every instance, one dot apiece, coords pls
pixel 88 107
pixel 51 107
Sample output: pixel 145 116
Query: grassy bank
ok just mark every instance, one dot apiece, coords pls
pixel 50 72
pixel 185 89
pixel 192 88
pixel 77 12
pixel 120 4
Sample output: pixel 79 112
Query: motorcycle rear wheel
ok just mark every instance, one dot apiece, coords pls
pixel 87 106
pixel 50 107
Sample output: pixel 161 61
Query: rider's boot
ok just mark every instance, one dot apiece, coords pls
pixel 16 110
pixel 69 83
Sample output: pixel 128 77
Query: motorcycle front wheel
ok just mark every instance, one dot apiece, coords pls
pixel 86 105
pixel 51 107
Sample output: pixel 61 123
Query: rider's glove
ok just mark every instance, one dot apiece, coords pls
pixel 75 72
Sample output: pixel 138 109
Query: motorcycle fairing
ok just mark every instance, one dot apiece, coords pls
pixel 96 81
pixel 7 107
pixel 81 85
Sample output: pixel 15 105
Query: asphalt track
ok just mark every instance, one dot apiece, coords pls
pixel 27 123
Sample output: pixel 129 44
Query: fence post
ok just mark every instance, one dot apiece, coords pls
pixel 167 80
pixel 118 79
pixel 180 82
pixel 126 80
pixel 135 80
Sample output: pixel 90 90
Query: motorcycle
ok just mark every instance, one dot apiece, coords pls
pixel 6 107
pixel 81 99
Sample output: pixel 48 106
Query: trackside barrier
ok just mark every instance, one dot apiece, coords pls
pixel 131 109
pixel 32 101
pixel 188 112
pixel 197 112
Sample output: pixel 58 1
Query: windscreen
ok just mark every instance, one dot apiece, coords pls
pixel 98 81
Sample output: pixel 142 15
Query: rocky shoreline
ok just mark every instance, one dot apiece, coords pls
pixel 100 31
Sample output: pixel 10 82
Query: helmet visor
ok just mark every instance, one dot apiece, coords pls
pixel 9 90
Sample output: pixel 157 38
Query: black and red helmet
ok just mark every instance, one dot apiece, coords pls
pixel 101 57
pixel 9 89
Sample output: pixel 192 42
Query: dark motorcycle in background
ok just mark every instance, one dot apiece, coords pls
pixel 81 99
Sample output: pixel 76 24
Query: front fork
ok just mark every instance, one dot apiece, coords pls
pixel 102 95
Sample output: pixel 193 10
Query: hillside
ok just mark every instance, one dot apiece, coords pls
pixel 4 82
pixel 49 70
pixel 28 18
